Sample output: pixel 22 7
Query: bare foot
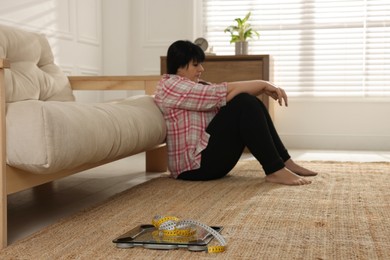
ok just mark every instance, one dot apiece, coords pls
pixel 286 177
pixel 295 168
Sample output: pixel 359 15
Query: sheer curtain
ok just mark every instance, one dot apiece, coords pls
pixel 327 48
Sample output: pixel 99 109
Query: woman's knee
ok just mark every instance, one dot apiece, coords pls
pixel 243 97
pixel 245 100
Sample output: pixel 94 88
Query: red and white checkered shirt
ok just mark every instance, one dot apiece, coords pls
pixel 188 108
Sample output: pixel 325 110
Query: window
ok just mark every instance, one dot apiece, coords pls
pixel 330 48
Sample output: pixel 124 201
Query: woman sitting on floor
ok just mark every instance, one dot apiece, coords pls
pixel 209 125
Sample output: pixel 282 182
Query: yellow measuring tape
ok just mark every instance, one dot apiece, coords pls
pixel 172 226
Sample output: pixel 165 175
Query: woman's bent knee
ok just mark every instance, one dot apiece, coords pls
pixel 242 97
pixel 245 100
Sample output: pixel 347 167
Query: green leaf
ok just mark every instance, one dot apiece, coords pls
pixel 242 31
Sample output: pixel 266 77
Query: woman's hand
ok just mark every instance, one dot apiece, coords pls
pixel 256 87
pixel 277 94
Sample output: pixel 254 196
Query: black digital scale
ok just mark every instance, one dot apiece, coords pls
pixel 148 236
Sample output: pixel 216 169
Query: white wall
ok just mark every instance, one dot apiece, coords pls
pixel 155 25
pixel 119 37
pixel 340 124
pixel 72 27
pixel 138 32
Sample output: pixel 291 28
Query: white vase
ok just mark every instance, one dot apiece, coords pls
pixel 241 48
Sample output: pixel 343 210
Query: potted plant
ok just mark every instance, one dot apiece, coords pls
pixel 240 33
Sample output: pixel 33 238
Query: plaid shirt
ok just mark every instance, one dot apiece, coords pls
pixel 188 108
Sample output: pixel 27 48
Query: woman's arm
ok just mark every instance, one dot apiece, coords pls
pixel 175 92
pixel 256 87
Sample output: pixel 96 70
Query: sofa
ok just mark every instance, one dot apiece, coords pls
pixel 46 134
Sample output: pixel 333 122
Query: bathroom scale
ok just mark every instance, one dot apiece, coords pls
pixel 148 236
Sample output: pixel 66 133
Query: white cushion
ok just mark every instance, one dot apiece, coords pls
pixel 45 137
pixel 33 74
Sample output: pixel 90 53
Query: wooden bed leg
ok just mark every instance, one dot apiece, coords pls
pixel 157 159
pixel 3 208
pixel 3 184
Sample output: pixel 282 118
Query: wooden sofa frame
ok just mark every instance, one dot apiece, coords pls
pixel 14 180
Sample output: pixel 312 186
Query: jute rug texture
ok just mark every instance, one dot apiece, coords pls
pixel 343 214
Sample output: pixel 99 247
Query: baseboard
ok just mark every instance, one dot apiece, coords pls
pixel 336 142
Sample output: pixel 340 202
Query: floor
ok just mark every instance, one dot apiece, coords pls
pixel 32 210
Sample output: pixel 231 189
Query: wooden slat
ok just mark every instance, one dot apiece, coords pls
pixel 113 82
pixel 18 180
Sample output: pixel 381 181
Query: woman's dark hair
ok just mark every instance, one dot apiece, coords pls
pixel 180 53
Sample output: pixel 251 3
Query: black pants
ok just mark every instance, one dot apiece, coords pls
pixel 244 121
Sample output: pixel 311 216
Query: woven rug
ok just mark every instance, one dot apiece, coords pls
pixel 343 214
